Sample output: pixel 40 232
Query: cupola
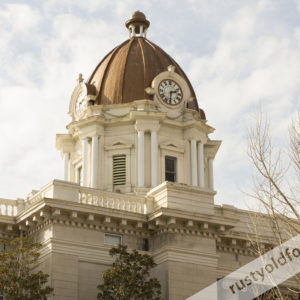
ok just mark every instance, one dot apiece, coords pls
pixel 124 74
pixel 137 24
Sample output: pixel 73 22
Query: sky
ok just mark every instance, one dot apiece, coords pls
pixel 240 56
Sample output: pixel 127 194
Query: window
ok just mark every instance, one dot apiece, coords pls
pixel 170 168
pixel 146 245
pixel 119 169
pixel 112 239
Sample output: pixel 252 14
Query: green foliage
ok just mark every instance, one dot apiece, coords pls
pixel 18 281
pixel 129 277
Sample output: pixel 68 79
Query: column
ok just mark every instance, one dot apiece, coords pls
pixel 84 161
pixel 66 166
pixel 153 158
pixel 69 168
pixel 94 171
pixel 210 174
pixel 194 163
pixel 201 165
pixel 140 159
pixel 141 30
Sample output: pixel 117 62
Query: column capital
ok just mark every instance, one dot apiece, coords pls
pixel 65 143
pixel 195 134
pixel 90 131
pixel 211 148
pixel 147 125
pixel 155 128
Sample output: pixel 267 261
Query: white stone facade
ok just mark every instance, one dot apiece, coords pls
pixel 115 189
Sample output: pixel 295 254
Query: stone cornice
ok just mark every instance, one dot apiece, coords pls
pixel 104 227
pixel 7 219
pixel 137 110
pixel 182 230
pixel 168 253
pixel 211 148
pixel 179 187
pixel 196 217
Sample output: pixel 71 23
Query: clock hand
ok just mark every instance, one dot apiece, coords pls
pixel 172 92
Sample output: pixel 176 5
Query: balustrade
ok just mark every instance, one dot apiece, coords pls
pixel 74 193
pixel 112 200
pixel 8 207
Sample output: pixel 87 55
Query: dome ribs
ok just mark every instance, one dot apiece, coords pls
pixel 134 79
pixel 98 66
pixel 145 63
pixel 124 72
pixel 159 59
pixel 101 98
pixel 112 89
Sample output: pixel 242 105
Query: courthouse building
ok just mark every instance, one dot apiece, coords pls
pixel 138 170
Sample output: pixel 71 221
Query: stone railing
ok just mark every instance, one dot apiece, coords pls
pixel 34 197
pixel 117 201
pixel 72 192
pixel 8 207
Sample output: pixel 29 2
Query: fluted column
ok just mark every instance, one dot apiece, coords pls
pixel 153 158
pixel 141 159
pixel 194 163
pixel 84 161
pixel 210 174
pixel 66 166
pixel 201 165
pixel 94 169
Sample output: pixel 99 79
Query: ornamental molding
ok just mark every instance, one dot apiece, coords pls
pixel 105 228
pixel 171 147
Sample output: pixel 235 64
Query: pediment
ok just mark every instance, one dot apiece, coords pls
pixel 172 145
pixel 118 143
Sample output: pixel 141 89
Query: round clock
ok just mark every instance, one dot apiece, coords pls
pixel 80 103
pixel 170 92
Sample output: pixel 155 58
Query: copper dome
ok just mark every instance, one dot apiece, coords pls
pixel 125 72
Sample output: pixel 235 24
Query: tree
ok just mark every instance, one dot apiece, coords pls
pixel 18 278
pixel 128 278
pixel 276 188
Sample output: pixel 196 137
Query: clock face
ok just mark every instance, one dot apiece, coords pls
pixel 80 103
pixel 170 92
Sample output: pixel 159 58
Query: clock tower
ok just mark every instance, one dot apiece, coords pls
pixel 138 103
pixel 138 171
pixel 138 152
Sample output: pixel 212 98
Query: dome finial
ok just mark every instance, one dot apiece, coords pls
pixel 80 78
pixel 137 24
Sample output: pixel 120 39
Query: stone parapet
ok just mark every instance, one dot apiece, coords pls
pixel 183 197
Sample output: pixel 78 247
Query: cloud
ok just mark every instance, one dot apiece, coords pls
pixel 248 68
pixel 239 56
pixel 25 18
